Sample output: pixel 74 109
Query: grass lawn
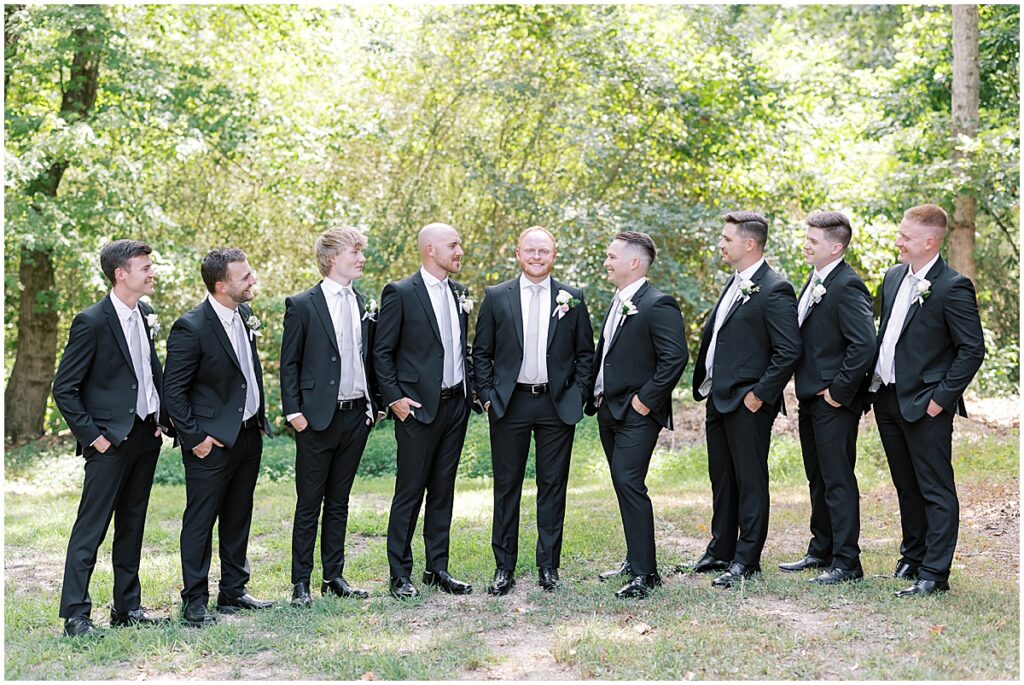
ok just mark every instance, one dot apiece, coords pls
pixel 777 627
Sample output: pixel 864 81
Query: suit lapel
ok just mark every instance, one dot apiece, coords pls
pixel 420 288
pixel 324 314
pixel 931 276
pixel 811 306
pixel 622 322
pixel 889 298
pixel 115 328
pixel 552 319
pixel 218 332
pixel 756 280
pixel 461 315
pixel 364 324
pixel 515 308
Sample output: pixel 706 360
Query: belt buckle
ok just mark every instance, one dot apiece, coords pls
pixel 346 405
pixel 537 389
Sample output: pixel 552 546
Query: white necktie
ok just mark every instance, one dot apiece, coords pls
pixel 900 310
pixel 348 346
pixel 252 402
pixel 805 301
pixel 139 362
pixel 533 336
pixel 728 300
pixel 445 326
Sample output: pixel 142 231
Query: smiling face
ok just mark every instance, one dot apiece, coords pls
pixel 239 282
pixel 819 250
pixel 622 264
pixel 137 277
pixel 445 249
pixel 916 243
pixel 536 255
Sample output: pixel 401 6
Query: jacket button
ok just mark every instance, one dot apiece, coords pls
pixel 332 381
pixel 131 411
pixel 240 410
pixel 438 378
pixel 334 359
pixel 243 386
pixel 134 387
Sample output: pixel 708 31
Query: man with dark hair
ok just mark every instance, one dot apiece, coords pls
pixel 639 358
pixel 108 387
pixel 214 390
pixel 838 334
pixel 532 354
pixel 749 348
pixel 930 345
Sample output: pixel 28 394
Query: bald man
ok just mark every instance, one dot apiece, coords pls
pixel 425 373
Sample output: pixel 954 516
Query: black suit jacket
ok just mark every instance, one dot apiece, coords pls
pixel 498 349
pixel 646 357
pixel 408 356
pixel 311 361
pixel 941 346
pixel 838 337
pixel 95 387
pixel 758 345
pixel 204 382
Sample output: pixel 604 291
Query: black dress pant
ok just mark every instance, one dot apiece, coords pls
pixel 117 485
pixel 325 467
pixel 628 446
pixel 920 457
pixel 738 444
pixel 219 489
pixel 529 415
pixel 828 439
pixel 428 459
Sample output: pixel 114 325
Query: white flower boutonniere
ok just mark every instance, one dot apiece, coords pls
pixel 747 288
pixel 817 292
pixel 465 302
pixel 627 308
pixel 370 310
pixel 564 302
pixel 922 289
pixel 254 325
pixel 154 325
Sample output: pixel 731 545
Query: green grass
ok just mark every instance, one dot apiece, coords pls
pixel 777 627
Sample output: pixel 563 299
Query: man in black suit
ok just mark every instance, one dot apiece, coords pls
pixel 108 387
pixel 328 391
pixel 837 329
pixel 421 358
pixel 930 345
pixel 214 389
pixel 639 358
pixel 749 348
pixel 532 354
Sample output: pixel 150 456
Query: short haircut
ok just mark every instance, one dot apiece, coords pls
pixel 530 230
pixel 750 225
pixel 118 254
pixel 932 216
pixel 215 265
pixel 834 225
pixel 642 241
pixel 334 240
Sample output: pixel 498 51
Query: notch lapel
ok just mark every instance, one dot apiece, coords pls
pixel 420 288
pixel 115 327
pixel 324 314
pixel 218 332
pixel 622 322
pixel 515 308
pixel 931 276
pixel 552 318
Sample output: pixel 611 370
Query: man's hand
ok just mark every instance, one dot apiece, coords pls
pixel 299 423
pixel 639 406
pixel 828 398
pixel 403 407
pixel 101 445
pixel 751 402
pixel 203 449
pixel 934 408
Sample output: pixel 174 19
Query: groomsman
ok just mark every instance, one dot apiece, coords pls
pixel 421 358
pixel 532 354
pixel 749 348
pixel 930 345
pixel 328 392
pixel 108 389
pixel 640 356
pixel 214 391
pixel 838 333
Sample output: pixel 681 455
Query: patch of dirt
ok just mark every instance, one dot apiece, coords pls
pixel 522 653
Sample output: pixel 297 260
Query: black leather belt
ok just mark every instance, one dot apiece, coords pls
pixel 533 389
pixel 251 422
pixel 149 420
pixel 349 405
pixel 454 391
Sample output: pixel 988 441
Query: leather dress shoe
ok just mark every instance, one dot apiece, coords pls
pixel 246 602
pixel 548 578
pixel 504 581
pixel 444 581
pixel 623 570
pixel 80 626
pixel 300 595
pixel 805 563
pixel 639 587
pixel 402 588
pixel 923 588
pixel 905 570
pixel 834 576
pixel 198 616
pixel 735 574
pixel 706 564
pixel 135 617
pixel 339 587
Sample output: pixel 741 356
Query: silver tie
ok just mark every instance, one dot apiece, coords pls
pixel 348 345
pixel 900 310
pixel 533 335
pixel 138 357
pixel 445 326
pixel 252 402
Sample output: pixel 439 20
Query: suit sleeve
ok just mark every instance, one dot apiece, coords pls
pixel 857 325
pixel 584 345
pixel 183 355
pixel 483 350
pixel 669 342
pixel 385 344
pixel 292 343
pixel 784 337
pixel 964 325
pixel 71 374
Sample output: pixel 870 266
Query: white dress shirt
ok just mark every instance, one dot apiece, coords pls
pixel 227 317
pixel 805 301
pixel 723 311
pixel 544 319
pixel 885 368
pixel 613 322
pixel 453 306
pixel 147 382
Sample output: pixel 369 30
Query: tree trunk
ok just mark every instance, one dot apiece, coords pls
pixel 966 83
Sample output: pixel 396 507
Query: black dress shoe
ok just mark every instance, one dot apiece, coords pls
pixel 402 588
pixel 444 581
pixel 706 564
pixel 246 602
pixel 504 581
pixel 339 587
pixel 548 578
pixel 198 616
pixel 623 570
pixel 806 563
pixel 80 626
pixel 639 587
pixel 300 595
pixel 735 574
pixel 834 576
pixel 905 570
pixel 135 617
pixel 923 588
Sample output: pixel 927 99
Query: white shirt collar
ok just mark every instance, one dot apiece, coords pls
pixel 923 273
pixel 225 314
pixel 334 288
pixel 827 269
pixel 525 283
pixel 429 280
pixel 749 272
pixel 630 290
pixel 123 311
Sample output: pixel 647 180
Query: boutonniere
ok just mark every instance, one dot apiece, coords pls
pixel 154 325
pixel 922 289
pixel 370 310
pixel 465 302
pixel 627 308
pixel 747 288
pixel 565 301
pixel 254 325
pixel 817 291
